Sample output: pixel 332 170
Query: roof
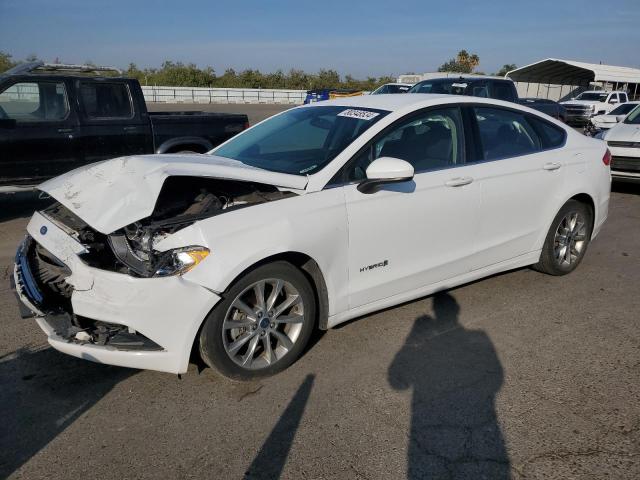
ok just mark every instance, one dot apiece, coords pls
pixel 569 72
pixel 385 101
pixel 393 102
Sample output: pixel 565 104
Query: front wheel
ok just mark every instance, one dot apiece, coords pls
pixel 262 325
pixel 567 239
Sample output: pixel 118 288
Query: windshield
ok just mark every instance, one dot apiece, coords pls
pixel 623 109
pixel 302 140
pixel 449 87
pixel 598 97
pixel 634 116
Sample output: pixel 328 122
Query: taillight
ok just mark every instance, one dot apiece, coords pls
pixel 246 125
pixel 607 158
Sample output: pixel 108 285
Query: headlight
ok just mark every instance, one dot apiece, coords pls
pixel 181 260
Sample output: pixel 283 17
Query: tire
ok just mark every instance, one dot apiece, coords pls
pixel 251 338
pixel 567 240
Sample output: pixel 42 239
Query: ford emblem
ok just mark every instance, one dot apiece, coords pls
pixel 43 230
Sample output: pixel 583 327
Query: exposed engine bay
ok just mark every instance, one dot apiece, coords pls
pixel 182 201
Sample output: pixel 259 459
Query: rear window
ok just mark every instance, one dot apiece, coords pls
pixel 106 100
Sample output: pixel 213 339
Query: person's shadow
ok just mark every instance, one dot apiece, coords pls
pixel 454 374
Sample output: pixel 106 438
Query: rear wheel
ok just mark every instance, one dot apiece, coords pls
pixel 567 239
pixel 262 325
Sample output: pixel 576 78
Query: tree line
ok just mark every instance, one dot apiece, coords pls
pixel 181 74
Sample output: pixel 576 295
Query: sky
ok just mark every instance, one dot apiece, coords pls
pixel 360 38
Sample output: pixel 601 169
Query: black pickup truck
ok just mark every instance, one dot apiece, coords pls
pixel 54 118
pixel 488 87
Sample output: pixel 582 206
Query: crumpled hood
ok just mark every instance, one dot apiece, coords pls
pixel 624 132
pixel 114 193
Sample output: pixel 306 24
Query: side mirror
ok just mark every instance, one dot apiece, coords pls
pixel 613 100
pixel 385 170
pixel 7 123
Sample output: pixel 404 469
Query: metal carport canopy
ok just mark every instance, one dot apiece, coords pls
pixel 568 72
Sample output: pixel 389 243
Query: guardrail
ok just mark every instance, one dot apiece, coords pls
pixel 222 95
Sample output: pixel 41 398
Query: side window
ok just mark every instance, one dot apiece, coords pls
pixel 502 91
pixel 428 141
pixel 505 133
pixel 551 136
pixel 34 102
pixel 106 100
pixel 623 98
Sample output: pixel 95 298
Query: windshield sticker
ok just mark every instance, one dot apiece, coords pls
pixel 459 85
pixel 308 169
pixel 359 114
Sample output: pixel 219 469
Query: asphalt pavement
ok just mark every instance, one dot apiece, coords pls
pixel 521 375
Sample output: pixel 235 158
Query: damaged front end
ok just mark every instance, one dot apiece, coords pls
pixel 182 202
pixel 52 281
pixel 40 283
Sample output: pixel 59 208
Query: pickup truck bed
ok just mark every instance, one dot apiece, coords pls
pixel 173 130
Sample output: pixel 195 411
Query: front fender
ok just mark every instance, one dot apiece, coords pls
pixel 312 224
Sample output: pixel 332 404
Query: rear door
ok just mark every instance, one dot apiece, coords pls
pixel 38 140
pixel 521 176
pixel 111 125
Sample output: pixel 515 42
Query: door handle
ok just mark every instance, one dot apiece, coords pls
pixel 129 129
pixel 65 130
pixel 552 166
pixel 459 181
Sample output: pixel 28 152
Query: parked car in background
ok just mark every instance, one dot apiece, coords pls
pixel 476 86
pixel 600 123
pixel 322 94
pixel 487 87
pixel 551 108
pixel 623 140
pixel 240 253
pixel 591 103
pixel 54 118
pixel 392 88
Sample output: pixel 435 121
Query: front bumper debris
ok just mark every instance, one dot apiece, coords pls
pixel 110 317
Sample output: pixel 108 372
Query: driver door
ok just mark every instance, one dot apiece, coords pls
pixel 39 138
pixel 417 233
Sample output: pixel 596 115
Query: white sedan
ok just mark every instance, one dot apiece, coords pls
pixel 624 142
pixel 318 215
pixel 609 120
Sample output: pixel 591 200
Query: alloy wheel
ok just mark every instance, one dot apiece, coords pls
pixel 570 239
pixel 263 323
